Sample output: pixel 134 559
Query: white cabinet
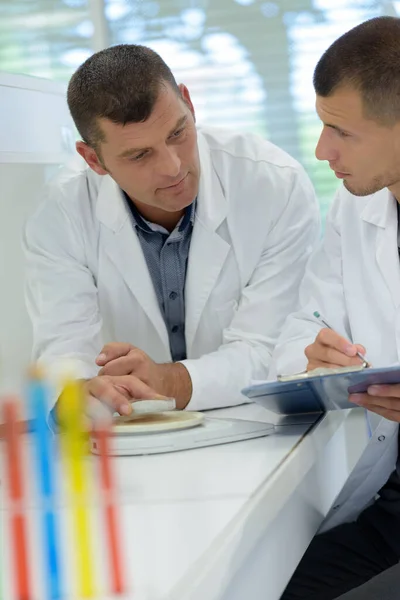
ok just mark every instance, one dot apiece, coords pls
pixel 36 137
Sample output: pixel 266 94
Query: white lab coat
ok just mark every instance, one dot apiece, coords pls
pixel 353 280
pixel 88 283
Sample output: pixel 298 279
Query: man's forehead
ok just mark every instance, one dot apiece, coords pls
pixel 158 124
pixel 168 108
pixel 343 105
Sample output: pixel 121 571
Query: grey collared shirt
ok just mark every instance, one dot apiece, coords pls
pixel 166 255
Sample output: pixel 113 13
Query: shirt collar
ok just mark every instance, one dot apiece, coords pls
pixel 188 216
pixel 149 227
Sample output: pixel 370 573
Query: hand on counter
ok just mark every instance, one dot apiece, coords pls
pixel 116 392
pixel 172 380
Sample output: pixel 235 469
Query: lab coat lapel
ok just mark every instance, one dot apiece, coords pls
pixel 208 251
pixel 382 212
pixel 123 248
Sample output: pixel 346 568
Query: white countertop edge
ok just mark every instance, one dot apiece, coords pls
pixel 230 548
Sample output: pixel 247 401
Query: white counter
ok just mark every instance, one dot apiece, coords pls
pixel 227 522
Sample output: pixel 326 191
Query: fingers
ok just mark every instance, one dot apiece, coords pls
pixel 137 389
pixel 325 365
pixel 331 339
pixel 97 413
pixel 391 415
pixel 388 407
pixel 123 391
pixel 118 392
pixel 361 349
pixel 112 351
pixel 327 357
pixel 331 350
pixel 391 391
pixel 124 365
pixel 104 390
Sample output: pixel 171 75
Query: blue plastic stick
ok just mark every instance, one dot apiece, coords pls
pixel 37 393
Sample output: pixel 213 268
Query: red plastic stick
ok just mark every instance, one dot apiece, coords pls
pixel 16 489
pixel 102 436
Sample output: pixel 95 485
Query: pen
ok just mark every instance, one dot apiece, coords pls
pixel 318 316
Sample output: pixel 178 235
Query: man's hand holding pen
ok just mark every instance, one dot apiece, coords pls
pixel 331 350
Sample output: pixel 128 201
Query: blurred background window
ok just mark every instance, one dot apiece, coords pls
pixel 247 63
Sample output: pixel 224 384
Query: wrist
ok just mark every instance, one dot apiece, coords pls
pixel 175 382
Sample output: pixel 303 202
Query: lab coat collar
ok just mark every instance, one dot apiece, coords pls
pixel 208 250
pixel 123 248
pixel 111 209
pixel 381 209
pixel 212 207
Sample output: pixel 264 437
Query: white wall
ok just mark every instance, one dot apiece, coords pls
pixel 36 136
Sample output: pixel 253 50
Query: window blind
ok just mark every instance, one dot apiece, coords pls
pixel 247 63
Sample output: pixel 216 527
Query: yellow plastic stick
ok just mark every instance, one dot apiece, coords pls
pixel 70 414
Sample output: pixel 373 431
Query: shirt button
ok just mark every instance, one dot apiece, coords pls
pixel 175 328
pixel 173 295
pixel 381 438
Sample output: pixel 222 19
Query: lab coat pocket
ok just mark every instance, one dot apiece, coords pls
pixel 225 313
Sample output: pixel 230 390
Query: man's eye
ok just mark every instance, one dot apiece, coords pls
pixel 138 157
pixel 343 134
pixel 178 133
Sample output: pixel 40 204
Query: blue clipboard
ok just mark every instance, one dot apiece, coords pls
pixel 309 393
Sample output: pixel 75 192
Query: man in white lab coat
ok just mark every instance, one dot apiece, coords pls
pixel 353 280
pixel 181 250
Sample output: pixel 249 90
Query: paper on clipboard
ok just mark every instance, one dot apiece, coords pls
pixel 317 393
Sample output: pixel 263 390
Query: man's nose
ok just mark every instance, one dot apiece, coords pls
pixel 325 150
pixel 169 163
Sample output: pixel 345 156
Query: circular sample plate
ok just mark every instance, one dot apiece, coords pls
pixel 156 422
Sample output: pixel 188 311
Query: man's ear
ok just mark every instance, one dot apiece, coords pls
pixel 187 99
pixel 90 156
